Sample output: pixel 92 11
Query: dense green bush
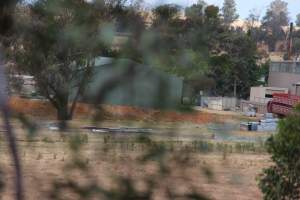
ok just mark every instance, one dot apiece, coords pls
pixel 282 179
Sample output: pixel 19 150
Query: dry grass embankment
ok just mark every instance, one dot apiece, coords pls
pixel 43 109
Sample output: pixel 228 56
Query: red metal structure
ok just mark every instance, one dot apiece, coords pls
pixel 283 104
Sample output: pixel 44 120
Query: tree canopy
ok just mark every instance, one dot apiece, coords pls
pixel 58 47
pixel 6 15
pixel 207 49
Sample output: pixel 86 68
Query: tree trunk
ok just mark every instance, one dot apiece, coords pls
pixel 63 112
pixel 11 138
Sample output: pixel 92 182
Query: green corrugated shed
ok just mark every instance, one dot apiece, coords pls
pixel 134 84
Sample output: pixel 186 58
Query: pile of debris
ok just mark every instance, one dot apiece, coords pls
pixel 267 124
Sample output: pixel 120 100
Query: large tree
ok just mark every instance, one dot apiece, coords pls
pixel 276 16
pixel 235 69
pixel 203 29
pixel 58 47
pixel 229 11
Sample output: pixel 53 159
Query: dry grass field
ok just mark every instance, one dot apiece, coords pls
pixel 45 160
pixel 207 167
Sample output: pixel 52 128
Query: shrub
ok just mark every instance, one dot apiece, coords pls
pixel 282 180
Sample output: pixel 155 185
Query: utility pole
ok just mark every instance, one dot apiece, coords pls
pixel 6 20
pixel 234 87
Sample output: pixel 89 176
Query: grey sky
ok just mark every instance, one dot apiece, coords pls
pixel 243 6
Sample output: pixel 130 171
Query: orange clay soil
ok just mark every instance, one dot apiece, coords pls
pixel 43 109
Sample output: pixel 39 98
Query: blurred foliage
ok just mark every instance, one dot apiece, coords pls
pixel 281 180
pixel 28 124
pixel 6 16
